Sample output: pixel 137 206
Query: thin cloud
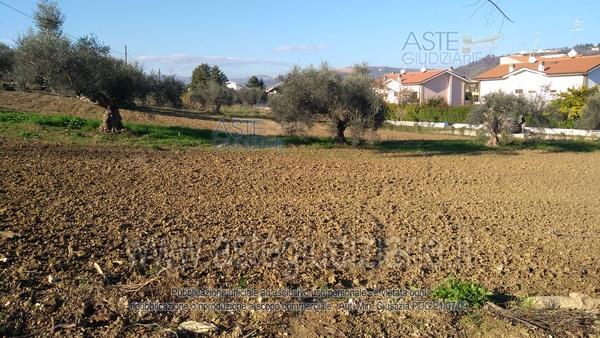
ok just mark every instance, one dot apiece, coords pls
pixel 185 59
pixel 300 48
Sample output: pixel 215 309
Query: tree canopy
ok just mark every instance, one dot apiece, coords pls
pixel 7 61
pixel 255 82
pixel 314 93
pixel 203 74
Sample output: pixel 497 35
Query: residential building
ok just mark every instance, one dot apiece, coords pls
pixel 428 84
pixel 544 75
pixel 272 90
pixel 235 86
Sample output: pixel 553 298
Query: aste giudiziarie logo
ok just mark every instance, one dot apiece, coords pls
pixel 445 48
pixel 244 133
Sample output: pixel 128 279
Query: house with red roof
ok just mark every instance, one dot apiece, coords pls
pixel 428 84
pixel 544 75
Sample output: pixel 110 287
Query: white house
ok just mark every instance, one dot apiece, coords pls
pixel 235 86
pixel 427 84
pixel 272 90
pixel 540 75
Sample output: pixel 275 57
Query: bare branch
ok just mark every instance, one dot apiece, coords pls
pixel 500 10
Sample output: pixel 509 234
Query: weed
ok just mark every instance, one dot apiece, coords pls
pixel 525 303
pixel 70 122
pixel 243 282
pixel 81 281
pixel 29 134
pixel 455 290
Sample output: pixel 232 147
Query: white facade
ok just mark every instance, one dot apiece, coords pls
pixel 393 87
pixel 234 86
pixel 530 83
pixel 391 90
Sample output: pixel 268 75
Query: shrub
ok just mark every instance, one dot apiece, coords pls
pixel 571 102
pixel 591 113
pixel 437 102
pixel 455 290
pixel 252 96
pixel 433 114
pixel 392 111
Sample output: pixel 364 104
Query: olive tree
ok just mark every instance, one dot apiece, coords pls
pixel 209 89
pixel 45 57
pixel 165 89
pixel 312 94
pixel 7 61
pixel 501 113
pixel 107 81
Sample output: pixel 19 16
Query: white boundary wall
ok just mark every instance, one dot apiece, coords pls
pixel 474 129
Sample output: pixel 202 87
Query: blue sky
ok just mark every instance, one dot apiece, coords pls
pixel 269 37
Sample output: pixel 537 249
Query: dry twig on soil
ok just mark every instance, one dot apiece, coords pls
pixel 138 287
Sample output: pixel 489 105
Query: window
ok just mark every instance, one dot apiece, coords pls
pixel 518 91
pixel 532 92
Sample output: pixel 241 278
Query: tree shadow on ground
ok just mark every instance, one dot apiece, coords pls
pixel 431 146
pixel 474 147
pixel 556 146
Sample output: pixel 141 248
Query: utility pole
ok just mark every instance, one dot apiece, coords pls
pixel 125 53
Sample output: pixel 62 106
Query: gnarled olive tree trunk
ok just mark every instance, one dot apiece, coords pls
pixel 216 108
pixel 111 121
pixel 493 141
pixel 340 129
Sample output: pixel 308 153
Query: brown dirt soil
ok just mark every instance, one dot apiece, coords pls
pixel 524 224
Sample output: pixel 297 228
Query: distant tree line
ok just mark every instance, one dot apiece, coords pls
pixel 209 90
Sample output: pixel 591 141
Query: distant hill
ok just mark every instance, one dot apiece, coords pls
pixel 475 68
pixel 375 71
pixel 267 79
pixel 185 79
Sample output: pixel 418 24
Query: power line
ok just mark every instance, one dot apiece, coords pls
pixel 16 10
pixel 67 34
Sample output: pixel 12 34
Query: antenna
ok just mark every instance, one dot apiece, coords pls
pixel 577 27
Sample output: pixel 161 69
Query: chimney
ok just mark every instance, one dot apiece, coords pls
pixel 511 67
pixel 542 66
